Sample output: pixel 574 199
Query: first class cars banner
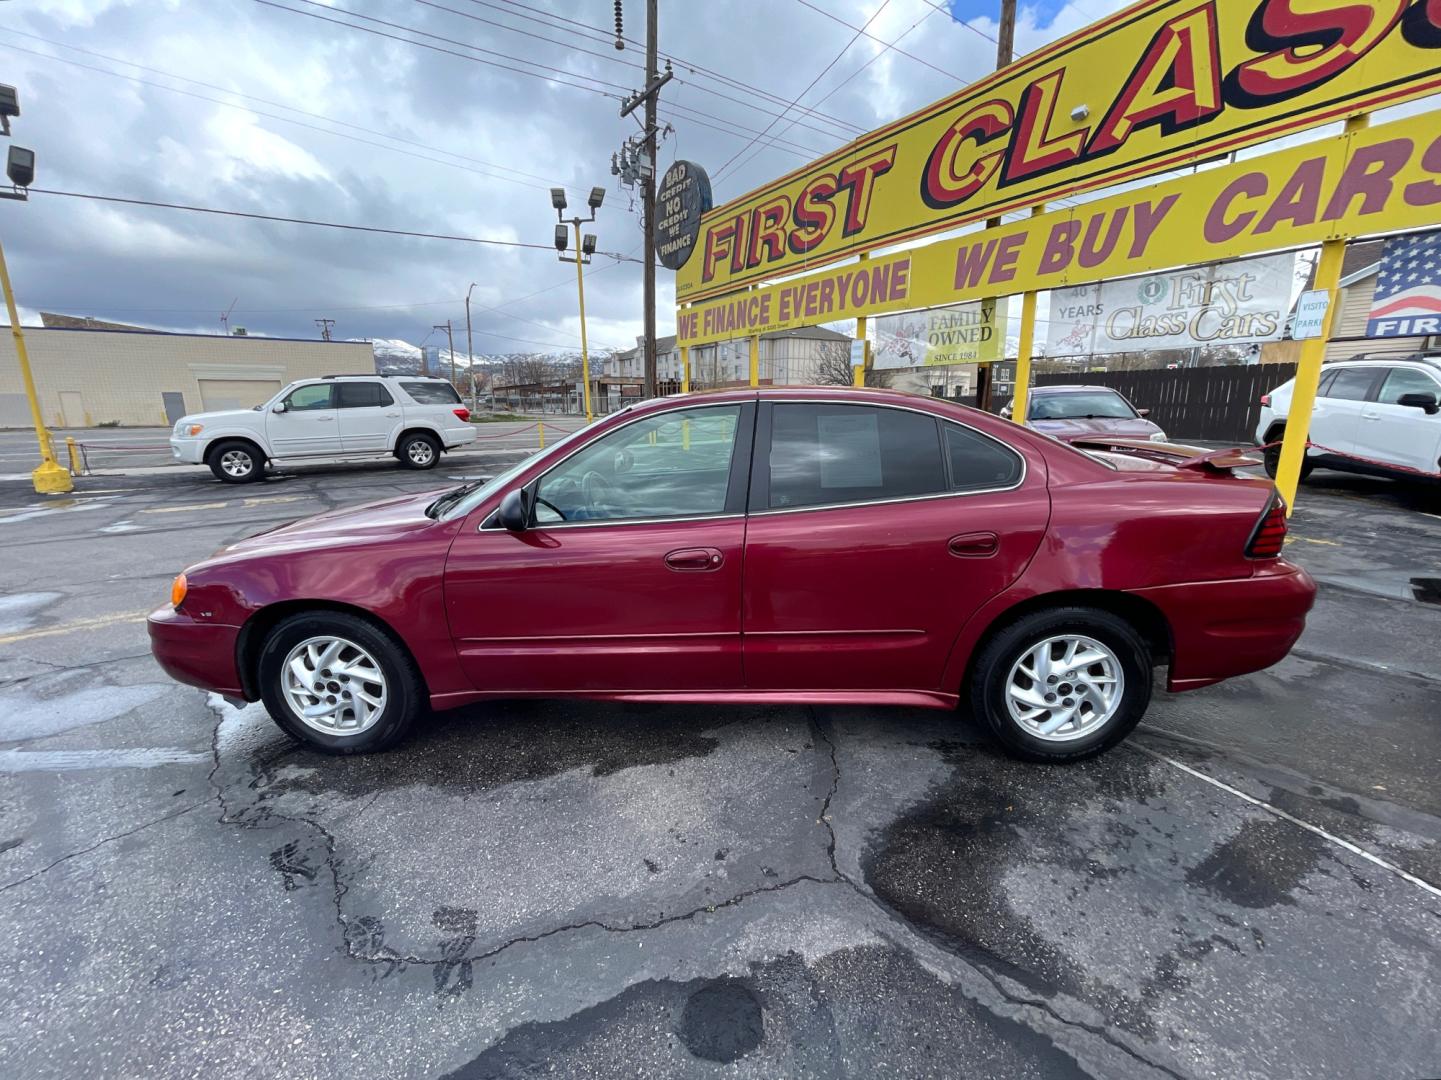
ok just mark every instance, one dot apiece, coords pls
pixel 1161 84
pixel 1383 179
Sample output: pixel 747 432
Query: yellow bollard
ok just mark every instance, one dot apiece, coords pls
pixel 541 424
pixel 74 450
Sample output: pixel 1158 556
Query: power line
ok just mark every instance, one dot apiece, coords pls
pixel 589 32
pixel 289 220
pixel 862 30
pixel 282 119
pixel 856 37
pixel 961 22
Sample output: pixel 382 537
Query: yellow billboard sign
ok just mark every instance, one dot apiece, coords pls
pixel 1376 180
pixel 1161 84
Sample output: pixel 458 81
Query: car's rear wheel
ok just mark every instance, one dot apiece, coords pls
pixel 339 682
pixel 236 462
pixel 418 451
pixel 1062 684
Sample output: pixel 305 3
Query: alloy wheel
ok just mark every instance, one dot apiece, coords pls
pixel 420 452
pixel 237 463
pixel 1064 687
pixel 333 685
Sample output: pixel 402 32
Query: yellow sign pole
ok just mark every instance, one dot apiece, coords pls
pixel 755 359
pixel 1308 365
pixel 584 351
pixel 858 371
pixel 685 369
pixel 1024 347
pixel 49 477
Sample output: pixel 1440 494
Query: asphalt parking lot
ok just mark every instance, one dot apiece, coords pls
pixel 1249 887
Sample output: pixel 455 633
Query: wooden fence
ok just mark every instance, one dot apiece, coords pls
pixel 1210 403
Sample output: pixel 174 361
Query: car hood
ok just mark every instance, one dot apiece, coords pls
pixel 1130 427
pixel 378 522
pixel 217 416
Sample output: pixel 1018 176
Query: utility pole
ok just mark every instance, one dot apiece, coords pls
pixel 1005 49
pixel 650 97
pixel 470 350
pixel 450 338
pixel 325 325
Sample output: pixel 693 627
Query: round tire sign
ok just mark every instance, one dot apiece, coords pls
pixel 681 199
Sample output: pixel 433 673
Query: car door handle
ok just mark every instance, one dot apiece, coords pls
pixel 392 414
pixel 325 419
pixel 976 545
pixel 695 559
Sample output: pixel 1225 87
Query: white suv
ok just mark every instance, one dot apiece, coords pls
pixel 1381 417
pixel 413 417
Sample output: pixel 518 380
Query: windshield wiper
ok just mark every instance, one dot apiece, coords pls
pixel 453 496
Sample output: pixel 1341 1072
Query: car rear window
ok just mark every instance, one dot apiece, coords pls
pixel 1352 384
pixel 431 393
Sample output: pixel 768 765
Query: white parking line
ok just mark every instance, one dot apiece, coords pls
pixel 1278 812
pixel 13 761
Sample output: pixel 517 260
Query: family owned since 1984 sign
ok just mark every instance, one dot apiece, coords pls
pixel 1210 305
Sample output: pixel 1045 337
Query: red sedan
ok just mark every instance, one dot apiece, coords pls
pixel 796 545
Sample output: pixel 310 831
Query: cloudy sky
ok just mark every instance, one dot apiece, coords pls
pixel 243 105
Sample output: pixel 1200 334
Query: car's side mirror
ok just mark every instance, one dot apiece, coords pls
pixel 514 511
pixel 278 407
pixel 1420 400
pixel 1143 413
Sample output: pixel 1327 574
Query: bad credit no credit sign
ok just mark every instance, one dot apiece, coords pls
pixel 1160 84
pixel 1382 179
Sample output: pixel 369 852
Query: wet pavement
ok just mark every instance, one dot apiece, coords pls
pixel 1248 887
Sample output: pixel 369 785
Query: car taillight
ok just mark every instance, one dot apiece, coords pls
pixel 1265 401
pixel 462 412
pixel 1269 535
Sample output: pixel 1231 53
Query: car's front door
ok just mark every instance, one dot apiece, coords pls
pixel 874 533
pixel 368 415
pixel 1399 434
pixel 308 425
pixel 628 578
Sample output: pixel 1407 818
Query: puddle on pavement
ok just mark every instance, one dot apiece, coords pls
pixel 1426 589
pixel 30 715
pixel 19 610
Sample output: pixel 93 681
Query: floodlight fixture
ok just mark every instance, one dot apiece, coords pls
pixel 587 244
pixel 562 237
pixel 597 196
pixel 20 166
pixel 557 198
pixel 9 101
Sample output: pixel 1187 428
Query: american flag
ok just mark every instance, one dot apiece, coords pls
pixel 1407 300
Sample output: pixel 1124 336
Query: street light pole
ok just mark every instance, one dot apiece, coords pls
pixel 470 350
pixel 49 477
pixel 584 249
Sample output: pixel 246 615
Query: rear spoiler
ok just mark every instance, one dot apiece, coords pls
pixel 1182 457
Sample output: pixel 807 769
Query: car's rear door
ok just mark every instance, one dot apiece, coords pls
pixel 308 425
pixel 369 416
pixel 629 580
pixel 874 533
pixel 1337 412
pixel 1399 434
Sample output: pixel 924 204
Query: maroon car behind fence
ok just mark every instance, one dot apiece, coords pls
pixel 780 545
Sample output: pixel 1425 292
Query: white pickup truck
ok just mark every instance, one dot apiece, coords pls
pixel 413 417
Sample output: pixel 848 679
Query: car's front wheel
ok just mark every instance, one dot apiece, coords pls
pixel 236 462
pixel 339 682
pixel 417 451
pixel 1062 684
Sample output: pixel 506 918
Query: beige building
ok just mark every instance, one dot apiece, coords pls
pixel 88 377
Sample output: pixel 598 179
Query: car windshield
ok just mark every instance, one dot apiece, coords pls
pixel 1081 405
pixel 459 501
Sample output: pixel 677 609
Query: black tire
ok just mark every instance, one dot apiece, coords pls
pixel 417 450
pixel 994 663
pixel 1272 457
pixel 406 695
pixel 226 459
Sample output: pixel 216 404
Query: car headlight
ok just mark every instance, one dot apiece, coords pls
pixel 192 430
pixel 1159 436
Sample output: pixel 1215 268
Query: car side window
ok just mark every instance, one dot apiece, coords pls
pixel 1406 381
pixel 1327 378
pixel 823 455
pixel 977 462
pixel 1352 384
pixel 431 393
pixel 310 398
pixel 363 395
pixel 669 465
